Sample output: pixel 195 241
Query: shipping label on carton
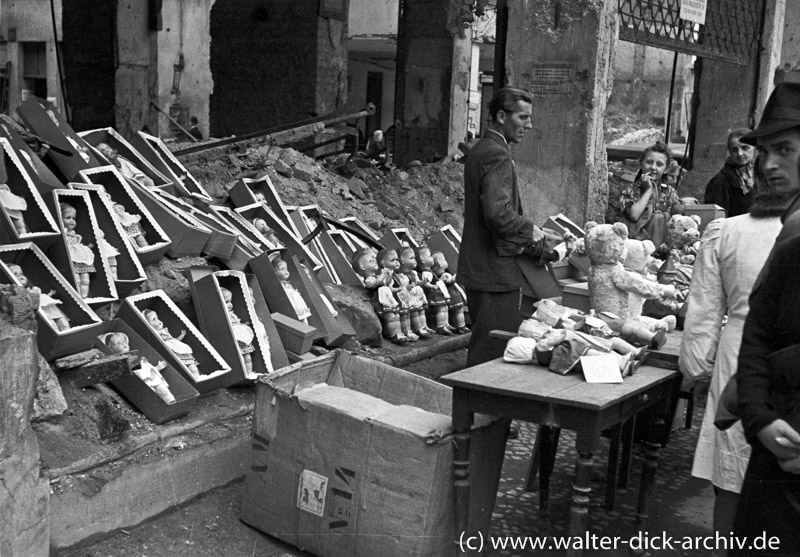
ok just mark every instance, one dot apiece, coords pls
pixel 311 492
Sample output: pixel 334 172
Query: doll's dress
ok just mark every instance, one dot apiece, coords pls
pixel 130 223
pixel 82 255
pixel 181 350
pixel 108 251
pixel 153 379
pixel 243 334
pixel 13 203
pixel 381 296
pixel 413 297
pixel 437 296
pixel 49 308
pixel 455 294
pixel 299 305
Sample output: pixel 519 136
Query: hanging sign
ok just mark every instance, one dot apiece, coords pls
pixel 694 10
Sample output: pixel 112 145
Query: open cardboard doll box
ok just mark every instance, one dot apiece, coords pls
pixel 110 137
pixel 354 457
pixel 41 273
pixel 214 370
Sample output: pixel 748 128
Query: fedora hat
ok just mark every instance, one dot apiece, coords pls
pixel 781 113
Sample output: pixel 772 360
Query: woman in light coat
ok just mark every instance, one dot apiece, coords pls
pixel 731 255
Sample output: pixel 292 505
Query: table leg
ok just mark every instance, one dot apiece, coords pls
pixel 462 424
pixel 613 467
pixel 649 468
pixel 547 459
pixel 627 449
pixel 579 511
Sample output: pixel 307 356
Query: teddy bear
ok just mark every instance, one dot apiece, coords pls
pixel 639 260
pixel 683 239
pixel 609 283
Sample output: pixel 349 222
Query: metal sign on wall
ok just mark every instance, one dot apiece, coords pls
pixel 730 32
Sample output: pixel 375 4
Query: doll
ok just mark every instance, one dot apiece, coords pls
pixel 435 291
pixel 390 263
pixel 261 335
pixel 147 372
pixel 455 304
pixel 14 206
pixel 408 278
pixel 269 235
pixel 181 350
pixel 109 252
pixel 296 299
pixel 47 304
pixel 130 224
pixel 81 254
pixel 242 332
pixel 387 308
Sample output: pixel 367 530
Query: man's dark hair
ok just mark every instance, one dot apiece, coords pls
pixel 506 99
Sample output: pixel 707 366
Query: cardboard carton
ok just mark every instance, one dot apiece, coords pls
pixel 123 192
pixel 43 178
pixel 576 296
pixel 130 273
pixel 296 336
pixel 306 221
pixel 110 137
pixel 39 222
pixel 561 224
pixel 354 457
pixel 276 348
pixel 213 368
pixel 101 283
pixel 345 242
pixel 139 394
pixel 357 223
pixel 338 258
pixel 287 236
pixel 398 238
pixel 706 211
pixel 248 243
pixel 223 238
pixel 447 241
pixel 159 155
pixel 42 274
pixel 243 193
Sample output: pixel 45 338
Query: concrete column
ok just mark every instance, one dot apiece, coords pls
pixel 24 496
pixel 134 72
pixel 563 53
pixel 789 68
pixel 433 61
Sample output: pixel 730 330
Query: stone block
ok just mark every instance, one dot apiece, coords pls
pixel 354 303
pixel 18 387
pixel 49 402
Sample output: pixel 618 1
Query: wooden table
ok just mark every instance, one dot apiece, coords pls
pixel 534 394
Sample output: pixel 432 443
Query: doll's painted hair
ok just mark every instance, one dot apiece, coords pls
pixel 383 255
pixel 277 261
pixel 66 207
pixel 225 292
pixel 148 312
pixel 439 259
pixel 358 257
pixel 110 336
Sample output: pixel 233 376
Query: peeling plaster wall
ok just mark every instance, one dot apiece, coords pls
pixel 331 57
pixel 373 18
pixel 790 54
pixel 568 59
pixel 135 72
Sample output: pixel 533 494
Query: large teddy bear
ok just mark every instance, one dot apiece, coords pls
pixel 683 239
pixel 639 260
pixel 609 283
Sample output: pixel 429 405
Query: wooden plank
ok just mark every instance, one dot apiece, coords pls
pixel 102 370
pixel 79 359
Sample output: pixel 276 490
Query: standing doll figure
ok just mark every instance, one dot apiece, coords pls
pixel 147 372
pixel 243 334
pixel 109 252
pixel 387 308
pixel 435 291
pixel 261 335
pixel 390 263
pixel 14 205
pixel 131 225
pixel 408 278
pixel 47 304
pixel 455 305
pixel 81 254
pixel 182 351
pixel 268 234
pixel 296 299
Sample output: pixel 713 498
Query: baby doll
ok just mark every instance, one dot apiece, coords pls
pixel 47 304
pixel 296 299
pixel 242 332
pixel 435 291
pixel 407 278
pixel 109 252
pixel 269 235
pixel 455 305
pixel 387 308
pixel 390 263
pixel 181 350
pixel 149 373
pixel 81 254
pixel 130 224
pixel 14 206
pixel 261 335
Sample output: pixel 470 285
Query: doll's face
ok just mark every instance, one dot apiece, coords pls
pixel 261 226
pixel 108 152
pixel 282 271
pixel 228 297
pixel 68 218
pixel 259 197
pixel 118 344
pixel 407 260
pixel 369 264
pixel 439 263
pixel 16 270
pixel 425 259
pixel 154 321
pixel 390 260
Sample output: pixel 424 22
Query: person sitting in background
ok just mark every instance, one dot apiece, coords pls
pixel 125 167
pixel 649 201
pixel 732 187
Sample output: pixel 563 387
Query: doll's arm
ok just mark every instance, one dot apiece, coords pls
pixel 183 334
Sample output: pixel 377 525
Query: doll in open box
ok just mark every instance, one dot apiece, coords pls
pixel 298 303
pixel 14 205
pixel 130 222
pixel 242 332
pixel 81 254
pixel 264 229
pixel 118 343
pixel 182 351
pixel 48 305
pixel 261 334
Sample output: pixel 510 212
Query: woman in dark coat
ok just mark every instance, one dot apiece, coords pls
pixel 732 187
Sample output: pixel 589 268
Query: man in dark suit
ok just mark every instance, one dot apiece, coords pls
pixel 495 228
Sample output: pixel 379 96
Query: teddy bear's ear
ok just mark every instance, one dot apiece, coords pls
pixel 589 225
pixel 620 229
pixel 649 247
pixel 696 218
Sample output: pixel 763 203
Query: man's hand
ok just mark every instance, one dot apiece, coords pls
pixel 781 439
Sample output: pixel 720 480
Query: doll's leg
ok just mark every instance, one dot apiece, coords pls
pixel 248 364
pixel 418 323
pixel 162 390
pixel 84 285
pixel 441 321
pixel 193 368
pixel 114 272
pixel 390 322
pixel 140 241
pixel 458 321
pixel 62 323
pixel 405 326
pixel 20 225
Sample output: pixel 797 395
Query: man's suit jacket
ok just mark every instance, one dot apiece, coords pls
pixel 495 229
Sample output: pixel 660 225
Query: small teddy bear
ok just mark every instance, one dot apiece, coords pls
pixel 639 260
pixel 609 282
pixel 683 239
